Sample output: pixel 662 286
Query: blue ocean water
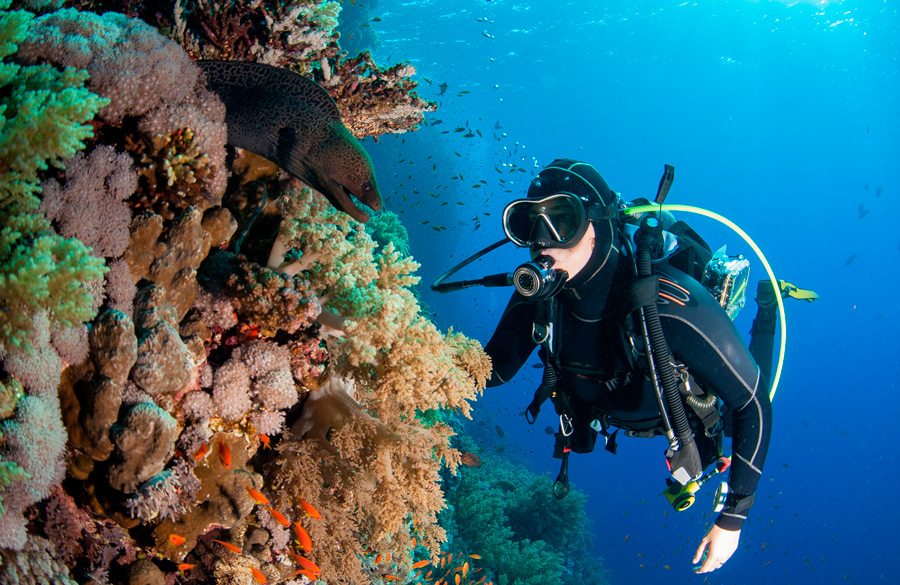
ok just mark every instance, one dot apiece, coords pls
pixel 781 116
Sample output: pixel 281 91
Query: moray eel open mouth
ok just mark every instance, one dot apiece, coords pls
pixel 344 200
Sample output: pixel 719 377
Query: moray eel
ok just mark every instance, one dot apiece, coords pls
pixel 293 122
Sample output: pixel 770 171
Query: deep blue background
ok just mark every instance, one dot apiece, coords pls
pixel 783 118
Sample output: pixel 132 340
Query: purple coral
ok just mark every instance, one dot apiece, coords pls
pixel 90 204
pixel 231 390
pixel 276 389
pixel 65 525
pixel 263 356
pixel 197 405
pixel 35 439
pixel 268 422
pixel 270 367
pixel 215 310
pixel 120 287
pixel 125 57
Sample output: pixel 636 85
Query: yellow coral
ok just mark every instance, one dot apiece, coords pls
pixel 175 172
pixel 361 449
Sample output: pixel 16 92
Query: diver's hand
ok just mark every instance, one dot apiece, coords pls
pixel 718 544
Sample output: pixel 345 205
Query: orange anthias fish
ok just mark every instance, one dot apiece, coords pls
pixel 203 450
pixel 257 496
pixel 185 567
pixel 470 459
pixel 264 439
pixel 303 537
pixel 279 517
pixel 308 508
pixel 476 557
pixel 307 564
pixel 308 574
pixel 420 564
pixel 230 547
pixel 225 454
pixel 177 540
pixel 258 576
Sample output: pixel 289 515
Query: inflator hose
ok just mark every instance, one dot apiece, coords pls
pixel 662 357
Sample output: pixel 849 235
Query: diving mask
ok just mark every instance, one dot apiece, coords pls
pixel 555 221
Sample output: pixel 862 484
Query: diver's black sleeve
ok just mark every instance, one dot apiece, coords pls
pixel 511 343
pixel 702 336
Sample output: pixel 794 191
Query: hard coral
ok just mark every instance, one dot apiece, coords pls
pixel 374 101
pixel 145 440
pixel 173 169
pixel 164 362
pixel 259 295
pixel 171 260
pixel 220 501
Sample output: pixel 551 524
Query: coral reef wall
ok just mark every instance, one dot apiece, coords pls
pixel 207 374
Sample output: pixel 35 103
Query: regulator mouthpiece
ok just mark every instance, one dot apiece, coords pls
pixel 538 279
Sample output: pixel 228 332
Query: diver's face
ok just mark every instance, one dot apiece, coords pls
pixel 574 259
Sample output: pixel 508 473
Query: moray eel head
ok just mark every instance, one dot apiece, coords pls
pixel 348 175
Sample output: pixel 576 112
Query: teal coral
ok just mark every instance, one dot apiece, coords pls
pixel 42 121
pixel 386 227
pixel 523 534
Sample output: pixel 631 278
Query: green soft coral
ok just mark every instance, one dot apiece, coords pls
pixel 324 15
pixel 523 534
pixel 386 227
pixel 43 112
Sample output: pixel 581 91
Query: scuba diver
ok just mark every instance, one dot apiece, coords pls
pixel 630 339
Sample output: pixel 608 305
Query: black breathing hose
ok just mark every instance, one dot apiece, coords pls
pixel 662 356
pixel 683 458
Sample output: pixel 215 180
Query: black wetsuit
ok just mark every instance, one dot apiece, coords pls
pixel 592 349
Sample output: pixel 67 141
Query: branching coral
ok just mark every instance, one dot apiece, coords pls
pixel 188 381
pixel 298 35
pixel 380 458
pixel 506 514
pixel 374 101
pixel 42 121
pixel 386 227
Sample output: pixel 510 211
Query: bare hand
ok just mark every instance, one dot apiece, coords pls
pixel 718 545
